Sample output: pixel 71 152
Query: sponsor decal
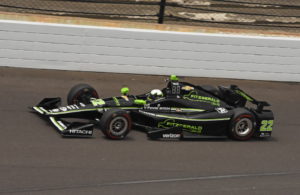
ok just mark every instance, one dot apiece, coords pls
pixel 148 107
pixel 98 102
pixel 64 109
pixel 193 96
pixel 221 110
pixel 55 110
pixel 171 135
pixel 172 123
pixel 80 131
pixel 187 88
pixel 265 135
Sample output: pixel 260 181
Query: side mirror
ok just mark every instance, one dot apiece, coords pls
pixel 125 91
pixel 140 102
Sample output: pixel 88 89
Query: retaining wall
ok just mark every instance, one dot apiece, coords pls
pixel 104 49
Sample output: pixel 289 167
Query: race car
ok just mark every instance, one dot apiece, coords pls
pixel 180 110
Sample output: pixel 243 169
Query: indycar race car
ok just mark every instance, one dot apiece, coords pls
pixel 180 110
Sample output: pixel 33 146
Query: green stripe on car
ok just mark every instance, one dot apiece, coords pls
pixel 189 119
pixel 56 123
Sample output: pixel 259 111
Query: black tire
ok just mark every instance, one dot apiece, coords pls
pixel 81 93
pixel 115 124
pixel 242 126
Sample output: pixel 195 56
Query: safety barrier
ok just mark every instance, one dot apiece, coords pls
pixel 103 49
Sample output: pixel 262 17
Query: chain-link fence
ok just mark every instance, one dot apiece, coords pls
pixel 257 14
pixel 117 9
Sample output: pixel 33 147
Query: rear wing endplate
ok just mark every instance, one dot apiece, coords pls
pixel 260 104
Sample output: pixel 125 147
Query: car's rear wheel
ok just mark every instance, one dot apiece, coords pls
pixel 81 93
pixel 242 127
pixel 115 124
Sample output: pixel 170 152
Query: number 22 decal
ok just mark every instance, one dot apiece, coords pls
pixel 266 125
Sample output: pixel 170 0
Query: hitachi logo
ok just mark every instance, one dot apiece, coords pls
pixel 80 131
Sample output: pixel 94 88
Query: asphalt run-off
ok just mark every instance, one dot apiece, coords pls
pixel 35 159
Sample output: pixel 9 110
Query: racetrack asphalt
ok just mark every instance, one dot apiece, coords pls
pixel 35 159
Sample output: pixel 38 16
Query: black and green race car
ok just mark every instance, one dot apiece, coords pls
pixel 180 110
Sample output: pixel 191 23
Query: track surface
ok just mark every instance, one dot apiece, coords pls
pixel 36 160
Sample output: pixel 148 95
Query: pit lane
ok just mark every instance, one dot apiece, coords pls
pixel 35 159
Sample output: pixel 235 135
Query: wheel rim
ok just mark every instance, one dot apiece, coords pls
pixel 243 127
pixel 84 97
pixel 118 126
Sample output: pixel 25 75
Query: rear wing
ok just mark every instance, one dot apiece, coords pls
pixel 260 104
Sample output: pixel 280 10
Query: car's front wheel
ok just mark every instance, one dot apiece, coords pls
pixel 81 93
pixel 115 124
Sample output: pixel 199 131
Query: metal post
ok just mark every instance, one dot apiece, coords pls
pixel 161 11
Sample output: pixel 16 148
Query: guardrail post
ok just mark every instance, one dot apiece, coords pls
pixel 161 14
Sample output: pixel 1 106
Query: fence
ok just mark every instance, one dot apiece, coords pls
pixel 258 14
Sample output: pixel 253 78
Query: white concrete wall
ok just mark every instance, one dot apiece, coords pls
pixel 87 48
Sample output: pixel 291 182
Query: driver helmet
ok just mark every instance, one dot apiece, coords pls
pixel 155 94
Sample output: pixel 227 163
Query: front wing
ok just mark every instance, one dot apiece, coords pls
pixel 64 127
pixel 74 129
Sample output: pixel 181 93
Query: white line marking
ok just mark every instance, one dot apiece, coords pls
pixel 202 178
pixel 214 177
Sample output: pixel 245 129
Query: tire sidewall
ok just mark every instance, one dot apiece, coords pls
pixel 79 89
pixel 108 117
pixel 235 120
